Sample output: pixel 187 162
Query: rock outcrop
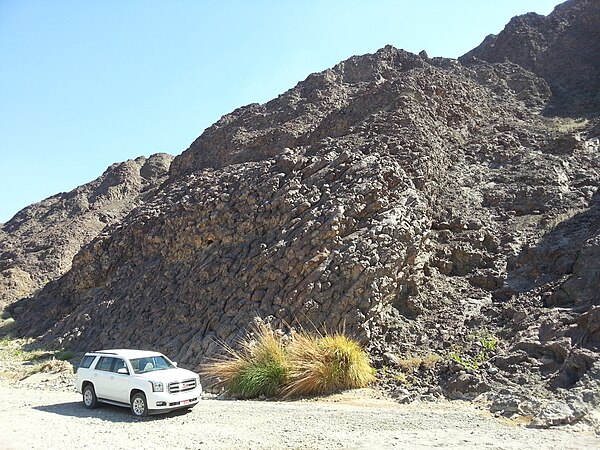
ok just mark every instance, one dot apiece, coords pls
pixel 423 205
pixel 38 244
pixel 562 48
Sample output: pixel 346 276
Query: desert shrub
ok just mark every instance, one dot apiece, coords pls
pixel 306 365
pixel 55 366
pixel 567 124
pixel 320 365
pixel 64 355
pixel 259 368
pixel 465 360
pixel 479 348
pixel 402 379
pixel 415 362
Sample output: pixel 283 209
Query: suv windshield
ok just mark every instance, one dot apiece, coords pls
pixel 150 364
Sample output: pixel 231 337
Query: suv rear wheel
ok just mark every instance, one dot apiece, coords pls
pixel 139 406
pixel 90 401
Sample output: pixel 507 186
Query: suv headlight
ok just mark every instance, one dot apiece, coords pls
pixel 157 386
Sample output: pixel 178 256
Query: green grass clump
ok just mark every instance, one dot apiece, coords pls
pixel 259 368
pixel 306 365
pixel 479 349
pixel 64 355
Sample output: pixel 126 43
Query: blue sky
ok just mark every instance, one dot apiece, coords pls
pixel 85 83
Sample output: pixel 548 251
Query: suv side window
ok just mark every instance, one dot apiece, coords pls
pixel 105 363
pixel 119 364
pixel 86 362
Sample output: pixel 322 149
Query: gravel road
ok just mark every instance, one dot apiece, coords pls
pixel 56 419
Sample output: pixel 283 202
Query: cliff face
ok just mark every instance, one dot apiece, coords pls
pixel 562 48
pixel 414 202
pixel 38 244
pixel 335 229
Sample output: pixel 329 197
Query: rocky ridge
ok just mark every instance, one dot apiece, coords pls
pixel 562 48
pixel 38 244
pixel 418 203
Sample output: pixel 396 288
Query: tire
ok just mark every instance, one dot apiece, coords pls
pixel 139 405
pixel 90 401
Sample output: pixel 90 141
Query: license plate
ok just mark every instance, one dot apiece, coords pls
pixel 184 402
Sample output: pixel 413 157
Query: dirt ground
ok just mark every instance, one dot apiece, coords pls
pixel 34 416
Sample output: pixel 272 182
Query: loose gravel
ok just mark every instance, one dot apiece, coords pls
pixel 32 417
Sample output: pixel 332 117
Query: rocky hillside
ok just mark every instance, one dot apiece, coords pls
pixel 38 244
pixel 426 206
pixel 562 48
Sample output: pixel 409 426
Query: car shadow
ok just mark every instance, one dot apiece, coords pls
pixel 109 413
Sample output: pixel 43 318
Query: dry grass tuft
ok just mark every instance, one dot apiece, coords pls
pixel 567 124
pixel 415 362
pixel 55 366
pixel 320 365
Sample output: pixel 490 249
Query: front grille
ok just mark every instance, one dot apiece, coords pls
pixel 182 386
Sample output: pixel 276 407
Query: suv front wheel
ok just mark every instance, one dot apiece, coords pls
pixel 139 406
pixel 90 401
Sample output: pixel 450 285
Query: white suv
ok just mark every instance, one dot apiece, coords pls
pixel 147 382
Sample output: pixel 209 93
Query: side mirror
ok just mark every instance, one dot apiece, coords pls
pixel 175 363
pixel 123 371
